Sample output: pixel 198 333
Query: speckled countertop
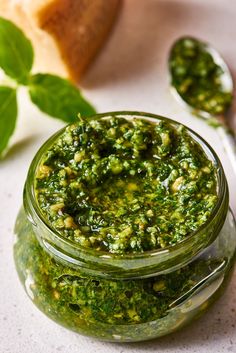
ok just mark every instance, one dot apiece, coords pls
pixel 130 74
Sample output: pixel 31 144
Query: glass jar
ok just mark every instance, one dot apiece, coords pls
pixel 125 298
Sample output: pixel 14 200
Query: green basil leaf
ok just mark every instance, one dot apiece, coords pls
pixel 16 51
pixel 8 115
pixel 58 97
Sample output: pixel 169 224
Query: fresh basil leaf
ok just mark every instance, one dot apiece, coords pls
pixel 58 97
pixel 8 115
pixel 16 51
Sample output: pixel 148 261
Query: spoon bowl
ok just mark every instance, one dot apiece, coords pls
pixel 189 78
pixel 225 78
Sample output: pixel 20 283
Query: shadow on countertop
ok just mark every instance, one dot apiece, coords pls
pixel 18 148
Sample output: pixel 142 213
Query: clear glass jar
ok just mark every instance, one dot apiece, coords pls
pixel 90 291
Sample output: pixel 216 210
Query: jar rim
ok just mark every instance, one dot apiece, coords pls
pixel 36 215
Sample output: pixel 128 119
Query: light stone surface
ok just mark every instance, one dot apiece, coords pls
pixel 129 74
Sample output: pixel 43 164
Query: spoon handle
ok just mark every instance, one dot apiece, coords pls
pixel 229 144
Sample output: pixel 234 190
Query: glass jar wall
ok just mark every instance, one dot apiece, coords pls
pixel 125 298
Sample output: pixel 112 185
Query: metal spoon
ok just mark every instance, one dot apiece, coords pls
pixel 226 81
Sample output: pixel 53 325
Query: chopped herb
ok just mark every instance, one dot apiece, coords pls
pixel 125 186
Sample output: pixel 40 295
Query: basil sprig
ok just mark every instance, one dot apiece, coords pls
pixel 8 114
pixel 58 97
pixel 52 94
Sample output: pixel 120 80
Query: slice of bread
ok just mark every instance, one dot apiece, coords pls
pixel 66 34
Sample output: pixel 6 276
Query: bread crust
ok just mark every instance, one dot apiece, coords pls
pixel 79 28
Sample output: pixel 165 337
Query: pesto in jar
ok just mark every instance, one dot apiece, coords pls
pixel 109 193
pixel 125 186
pixel 102 307
pixel 197 78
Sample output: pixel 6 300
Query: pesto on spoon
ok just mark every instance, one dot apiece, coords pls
pixel 201 80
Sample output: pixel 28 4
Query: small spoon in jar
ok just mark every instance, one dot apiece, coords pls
pixel 202 82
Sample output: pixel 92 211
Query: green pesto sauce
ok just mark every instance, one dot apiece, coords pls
pixel 95 306
pixel 125 186
pixel 197 78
